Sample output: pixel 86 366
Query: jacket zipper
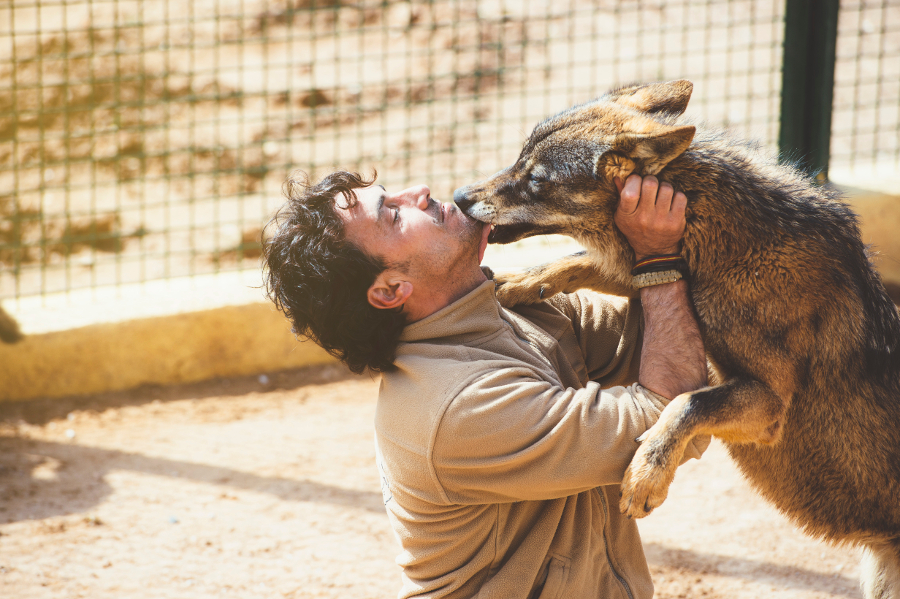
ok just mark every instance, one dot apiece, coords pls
pixel 612 568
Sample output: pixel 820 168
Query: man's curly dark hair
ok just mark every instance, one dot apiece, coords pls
pixel 319 279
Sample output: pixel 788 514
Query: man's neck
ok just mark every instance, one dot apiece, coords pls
pixel 437 295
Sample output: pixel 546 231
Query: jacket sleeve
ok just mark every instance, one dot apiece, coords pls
pixel 599 319
pixel 528 439
pixel 595 319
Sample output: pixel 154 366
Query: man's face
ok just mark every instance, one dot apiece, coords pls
pixel 413 233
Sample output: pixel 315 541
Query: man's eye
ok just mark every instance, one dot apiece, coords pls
pixel 396 214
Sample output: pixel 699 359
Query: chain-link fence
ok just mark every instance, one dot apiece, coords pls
pixel 146 139
pixel 866 118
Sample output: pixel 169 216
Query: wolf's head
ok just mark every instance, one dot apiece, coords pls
pixel 563 181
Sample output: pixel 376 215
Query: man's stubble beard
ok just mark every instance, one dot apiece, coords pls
pixel 470 243
pixel 447 265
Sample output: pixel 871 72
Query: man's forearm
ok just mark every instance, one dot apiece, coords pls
pixel 673 360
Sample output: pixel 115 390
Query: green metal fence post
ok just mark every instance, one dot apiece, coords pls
pixel 807 82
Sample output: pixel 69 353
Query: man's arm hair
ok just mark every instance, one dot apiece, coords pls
pixel 673 359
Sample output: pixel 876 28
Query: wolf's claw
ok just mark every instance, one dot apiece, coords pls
pixel 647 479
pixel 520 288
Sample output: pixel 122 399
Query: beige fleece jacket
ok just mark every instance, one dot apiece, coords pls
pixel 502 438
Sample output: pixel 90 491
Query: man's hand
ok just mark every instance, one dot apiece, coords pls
pixel 650 215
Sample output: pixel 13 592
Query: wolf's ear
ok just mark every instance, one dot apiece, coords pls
pixel 644 153
pixel 668 96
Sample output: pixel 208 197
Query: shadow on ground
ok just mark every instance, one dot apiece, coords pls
pixel 666 562
pixel 77 471
pixel 61 478
pixel 42 411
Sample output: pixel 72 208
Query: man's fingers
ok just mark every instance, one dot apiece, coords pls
pixel 664 197
pixel 631 195
pixel 679 204
pixel 649 187
pixel 651 216
pixel 642 197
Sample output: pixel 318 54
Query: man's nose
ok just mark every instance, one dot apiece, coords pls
pixel 418 195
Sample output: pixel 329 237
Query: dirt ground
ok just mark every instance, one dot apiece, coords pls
pixel 266 487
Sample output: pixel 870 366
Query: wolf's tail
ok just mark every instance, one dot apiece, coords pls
pixel 881 571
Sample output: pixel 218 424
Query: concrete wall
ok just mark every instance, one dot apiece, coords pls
pixel 180 348
pixel 879 217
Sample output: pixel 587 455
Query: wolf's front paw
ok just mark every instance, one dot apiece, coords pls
pixel 521 288
pixel 647 479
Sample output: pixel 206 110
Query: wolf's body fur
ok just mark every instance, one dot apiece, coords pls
pixel 801 334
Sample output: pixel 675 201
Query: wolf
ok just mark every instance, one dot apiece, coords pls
pixel 802 339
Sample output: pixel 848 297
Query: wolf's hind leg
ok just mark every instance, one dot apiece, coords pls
pixel 880 571
pixel 565 275
pixel 741 410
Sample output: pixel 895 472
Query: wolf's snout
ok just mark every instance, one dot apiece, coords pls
pixel 461 197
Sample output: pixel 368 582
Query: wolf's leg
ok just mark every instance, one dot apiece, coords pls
pixel 741 410
pixel 565 275
pixel 881 571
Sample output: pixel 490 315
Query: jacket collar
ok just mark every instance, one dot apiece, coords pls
pixel 475 315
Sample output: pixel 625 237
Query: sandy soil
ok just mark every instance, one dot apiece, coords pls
pixel 266 487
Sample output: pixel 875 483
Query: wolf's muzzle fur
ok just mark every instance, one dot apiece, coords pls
pixel 803 337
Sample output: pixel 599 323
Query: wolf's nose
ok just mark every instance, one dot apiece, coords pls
pixel 461 198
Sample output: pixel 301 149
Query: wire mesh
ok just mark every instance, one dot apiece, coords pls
pixel 147 139
pixel 866 114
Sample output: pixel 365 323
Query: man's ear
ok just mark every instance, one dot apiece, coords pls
pixel 389 291
pixel 667 96
pixel 646 153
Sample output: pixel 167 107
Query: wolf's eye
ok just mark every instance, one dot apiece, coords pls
pixel 535 178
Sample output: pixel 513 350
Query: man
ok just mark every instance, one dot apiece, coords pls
pixel 501 435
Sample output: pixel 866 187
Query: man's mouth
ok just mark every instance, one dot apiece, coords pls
pixel 441 210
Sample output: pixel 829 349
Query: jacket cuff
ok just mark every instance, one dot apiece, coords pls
pixel 656 399
pixel 697 445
